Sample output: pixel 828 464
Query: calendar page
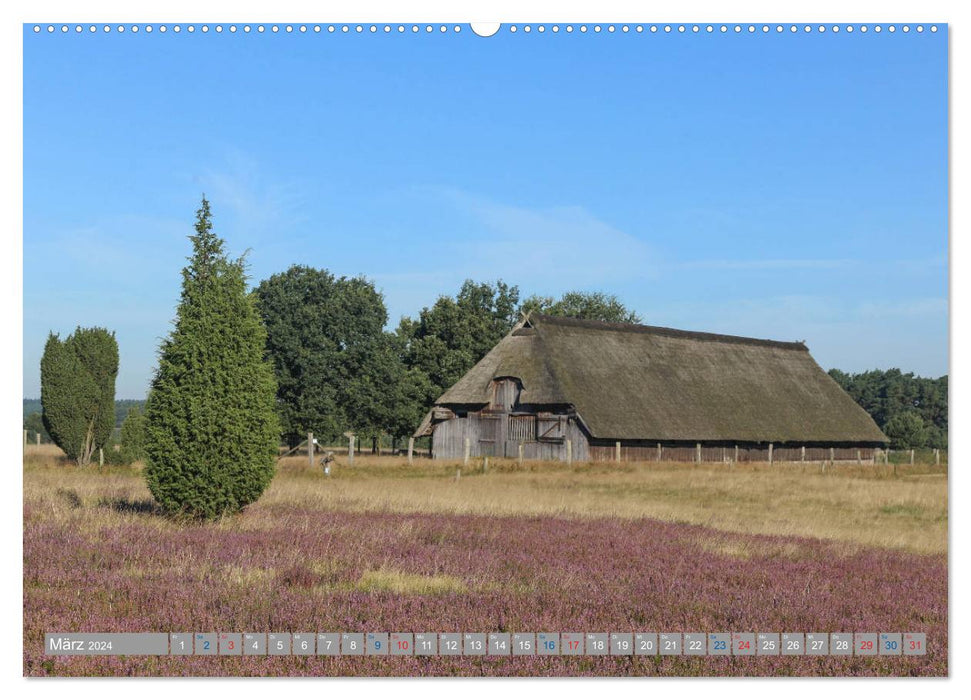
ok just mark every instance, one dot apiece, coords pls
pixel 526 348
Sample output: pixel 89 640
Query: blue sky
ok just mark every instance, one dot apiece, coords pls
pixel 787 186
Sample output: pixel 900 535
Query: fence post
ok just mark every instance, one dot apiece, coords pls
pixel 770 453
pixel 659 452
pixel 736 453
pixel 858 458
pixel 697 453
pixel 521 454
pixel 724 456
pixel 101 457
pixel 485 464
pixel 832 454
pixel 468 450
pixel 25 438
pixel 617 451
pixel 310 449
pixel 350 449
pixel 411 449
pixel 569 451
pixel 802 454
pixel 937 452
pixel 911 456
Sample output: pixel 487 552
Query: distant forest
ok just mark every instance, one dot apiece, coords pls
pixel 32 406
pixel 910 410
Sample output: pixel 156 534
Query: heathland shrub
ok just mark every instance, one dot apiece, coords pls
pixel 77 390
pixel 212 431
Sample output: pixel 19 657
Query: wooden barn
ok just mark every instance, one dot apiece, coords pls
pixel 570 390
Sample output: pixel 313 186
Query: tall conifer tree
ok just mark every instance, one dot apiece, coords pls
pixel 212 432
pixel 77 385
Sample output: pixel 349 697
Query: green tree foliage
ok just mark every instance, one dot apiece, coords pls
pixel 77 378
pixel 123 406
pixel 594 306
pixel 884 394
pixel 133 436
pixel 34 425
pixel 906 430
pixel 211 432
pixel 451 336
pixel 336 367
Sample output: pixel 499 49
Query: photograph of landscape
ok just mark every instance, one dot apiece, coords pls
pixel 527 350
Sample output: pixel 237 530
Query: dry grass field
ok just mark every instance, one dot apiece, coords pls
pixel 542 545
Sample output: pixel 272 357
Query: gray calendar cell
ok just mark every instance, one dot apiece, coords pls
pixel 402 644
pixel 328 644
pixel 180 643
pixel 106 643
pixel 500 644
pixel 669 644
pixel 891 644
pixel 719 644
pixel 645 644
pixel 548 643
pixel 278 643
pixel 475 643
pixel 230 644
pixel 303 643
pixel 768 644
pixel 915 643
pixel 377 644
pixel 426 644
pixel 743 643
pixel 524 644
pixel 205 643
pixel 254 644
pixel 450 644
pixel 695 643
pixel 793 644
pixel 841 643
pixel 571 643
pixel 621 643
pixel 817 644
pixel 597 643
pixel 352 644
pixel 865 643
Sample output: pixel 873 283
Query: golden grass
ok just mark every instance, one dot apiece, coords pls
pixel 389 580
pixel 857 505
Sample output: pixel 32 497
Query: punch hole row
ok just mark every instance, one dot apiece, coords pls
pixel 512 28
pixel 253 28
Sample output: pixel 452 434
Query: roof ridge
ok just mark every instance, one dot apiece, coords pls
pixel 542 319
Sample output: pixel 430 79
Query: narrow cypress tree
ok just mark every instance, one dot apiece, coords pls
pixel 77 386
pixel 211 433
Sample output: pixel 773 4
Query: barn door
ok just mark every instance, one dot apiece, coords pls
pixel 489 435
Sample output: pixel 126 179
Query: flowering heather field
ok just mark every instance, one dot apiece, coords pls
pixel 111 564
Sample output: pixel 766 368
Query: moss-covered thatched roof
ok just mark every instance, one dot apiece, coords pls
pixel 632 382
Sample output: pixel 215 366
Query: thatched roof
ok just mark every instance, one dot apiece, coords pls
pixel 632 382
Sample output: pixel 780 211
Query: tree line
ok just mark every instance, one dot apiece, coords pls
pixel 910 410
pixel 307 351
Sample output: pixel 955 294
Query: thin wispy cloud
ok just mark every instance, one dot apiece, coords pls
pixel 258 206
pixel 563 244
pixel 810 264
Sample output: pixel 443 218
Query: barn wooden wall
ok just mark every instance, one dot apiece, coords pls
pixel 499 435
